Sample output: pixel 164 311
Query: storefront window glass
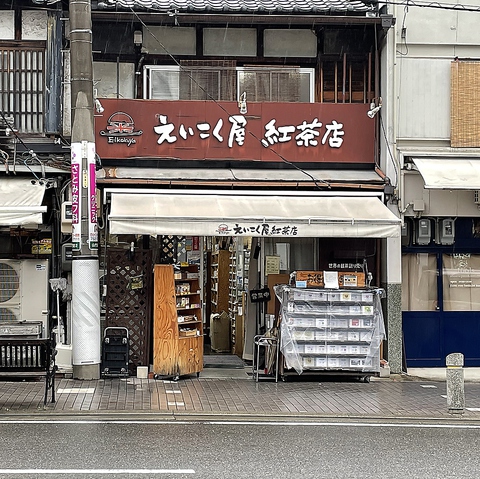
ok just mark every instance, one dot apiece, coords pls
pixel 461 282
pixel 419 282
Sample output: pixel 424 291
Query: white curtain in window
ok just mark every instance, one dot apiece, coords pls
pixel 461 282
pixel 419 282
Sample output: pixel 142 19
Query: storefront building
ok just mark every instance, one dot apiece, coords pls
pixel 255 134
pixel 437 157
pixel 221 128
pixel 35 167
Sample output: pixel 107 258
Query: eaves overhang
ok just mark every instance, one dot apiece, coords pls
pixel 238 18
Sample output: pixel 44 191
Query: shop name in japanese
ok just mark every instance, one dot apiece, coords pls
pixel 202 130
pixel 306 134
pixel 261 229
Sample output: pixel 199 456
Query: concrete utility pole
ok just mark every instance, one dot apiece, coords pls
pixel 85 284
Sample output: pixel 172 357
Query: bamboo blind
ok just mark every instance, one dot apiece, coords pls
pixel 465 104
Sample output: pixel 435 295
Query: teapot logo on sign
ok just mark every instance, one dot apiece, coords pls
pixel 121 129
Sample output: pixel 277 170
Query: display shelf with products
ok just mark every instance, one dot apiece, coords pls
pixel 219 281
pixel 178 327
pixel 326 330
pixel 232 297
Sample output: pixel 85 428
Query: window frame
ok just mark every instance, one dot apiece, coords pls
pixel 148 69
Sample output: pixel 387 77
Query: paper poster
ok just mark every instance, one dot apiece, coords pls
pixel 330 279
pixel 272 265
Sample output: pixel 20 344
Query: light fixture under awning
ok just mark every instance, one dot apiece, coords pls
pixel 450 173
pixel 253 214
pixel 21 202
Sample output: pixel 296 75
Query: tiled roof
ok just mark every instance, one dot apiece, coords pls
pixel 247 6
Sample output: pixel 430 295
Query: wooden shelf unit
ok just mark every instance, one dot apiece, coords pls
pixel 219 273
pixel 178 326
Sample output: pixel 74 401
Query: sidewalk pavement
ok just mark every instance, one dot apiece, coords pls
pixel 234 393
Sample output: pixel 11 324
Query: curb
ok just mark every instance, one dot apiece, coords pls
pixel 146 416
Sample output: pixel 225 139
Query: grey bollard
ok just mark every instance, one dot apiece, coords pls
pixel 455 383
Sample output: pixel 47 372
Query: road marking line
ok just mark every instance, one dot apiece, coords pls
pixel 180 422
pixel 431 386
pixel 472 408
pixel 351 424
pixel 169 391
pixel 97 471
pixel 175 403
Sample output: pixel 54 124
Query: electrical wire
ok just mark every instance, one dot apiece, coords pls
pixel 436 5
pixel 403 31
pixel 389 151
pixel 29 151
pixel 293 165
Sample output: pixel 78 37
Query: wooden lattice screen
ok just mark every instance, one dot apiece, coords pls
pixel 465 104
pixel 128 301
pixel 22 86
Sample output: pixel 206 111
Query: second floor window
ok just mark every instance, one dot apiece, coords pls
pixel 225 82
pixel 22 87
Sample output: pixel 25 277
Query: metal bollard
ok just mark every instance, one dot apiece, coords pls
pixel 455 383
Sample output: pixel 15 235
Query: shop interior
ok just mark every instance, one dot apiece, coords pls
pixel 223 288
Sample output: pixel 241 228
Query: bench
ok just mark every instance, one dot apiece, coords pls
pixel 21 357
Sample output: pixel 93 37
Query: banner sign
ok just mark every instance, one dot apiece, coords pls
pixel 92 199
pixel 76 173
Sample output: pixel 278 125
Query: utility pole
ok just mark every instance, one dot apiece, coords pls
pixel 85 284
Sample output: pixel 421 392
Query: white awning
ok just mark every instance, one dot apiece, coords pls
pixel 20 202
pixel 450 173
pixel 250 214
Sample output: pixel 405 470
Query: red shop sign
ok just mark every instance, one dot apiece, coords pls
pixel 203 130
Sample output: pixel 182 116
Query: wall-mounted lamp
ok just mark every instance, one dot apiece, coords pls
pixel 374 107
pixel 138 37
pixel 98 106
pixel 242 103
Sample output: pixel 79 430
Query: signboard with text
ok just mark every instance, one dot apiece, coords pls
pixel 207 130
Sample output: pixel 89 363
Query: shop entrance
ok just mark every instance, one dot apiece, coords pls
pixel 241 242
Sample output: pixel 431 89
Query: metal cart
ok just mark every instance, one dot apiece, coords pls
pixel 115 348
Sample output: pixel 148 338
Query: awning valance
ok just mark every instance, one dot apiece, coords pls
pixel 450 173
pixel 20 202
pixel 254 214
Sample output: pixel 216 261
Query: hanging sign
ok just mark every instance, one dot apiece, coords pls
pixel 261 295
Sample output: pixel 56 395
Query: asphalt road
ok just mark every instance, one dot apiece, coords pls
pixel 127 448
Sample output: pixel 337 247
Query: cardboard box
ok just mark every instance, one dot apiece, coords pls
pixel 308 362
pixel 353 336
pixel 320 362
pixel 188 332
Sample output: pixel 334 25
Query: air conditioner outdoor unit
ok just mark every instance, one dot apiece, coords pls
pixel 24 291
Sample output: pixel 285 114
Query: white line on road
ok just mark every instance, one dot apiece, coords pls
pixel 96 471
pixel 180 422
